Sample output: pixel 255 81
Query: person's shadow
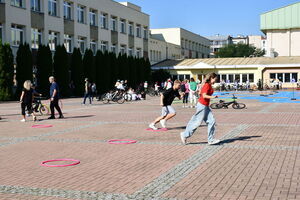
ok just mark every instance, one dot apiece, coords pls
pixel 227 141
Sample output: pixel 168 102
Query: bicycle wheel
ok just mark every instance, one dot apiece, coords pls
pixel 121 100
pixel 238 105
pixel 44 109
pixel 215 106
pixel 127 97
pixel 106 98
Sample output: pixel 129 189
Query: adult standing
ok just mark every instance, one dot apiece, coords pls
pixel 203 112
pixel 87 91
pixel 192 94
pixel 54 98
pixel 26 100
pixel 185 89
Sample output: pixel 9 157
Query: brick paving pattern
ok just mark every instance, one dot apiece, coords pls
pixel 257 159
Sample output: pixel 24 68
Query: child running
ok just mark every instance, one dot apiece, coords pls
pixel 203 112
pixel 26 100
pixel 166 100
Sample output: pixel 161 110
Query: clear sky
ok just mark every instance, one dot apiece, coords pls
pixel 210 17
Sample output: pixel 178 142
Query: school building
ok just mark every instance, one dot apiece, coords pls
pixel 285 69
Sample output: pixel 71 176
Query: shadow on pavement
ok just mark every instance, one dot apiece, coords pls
pixel 238 139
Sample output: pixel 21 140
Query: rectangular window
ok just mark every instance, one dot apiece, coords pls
pixel 130 52
pixel 68 43
pixel 80 14
pixel 181 77
pixel 219 78
pixel 230 78
pixel 81 44
pixel 237 77
pixel 251 78
pixel 36 5
pixel 123 49
pixel 104 21
pixel 53 40
pixel 272 76
pixel 93 46
pixel 295 77
pixel 174 77
pixel 123 26
pixel 36 38
pixel 244 78
pixel 1 31
pixel 17 3
pixel 138 52
pixel 113 49
pixel 145 33
pixel 17 35
pixel 287 77
pixel 52 7
pixel 280 77
pixel 223 77
pixel 138 31
pixel 67 10
pixel 92 18
pixel 130 29
pixel 104 46
pixel 114 24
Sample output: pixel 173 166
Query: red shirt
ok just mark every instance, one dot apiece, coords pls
pixel 209 91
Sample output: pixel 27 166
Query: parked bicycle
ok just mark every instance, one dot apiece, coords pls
pixel 115 96
pixel 223 104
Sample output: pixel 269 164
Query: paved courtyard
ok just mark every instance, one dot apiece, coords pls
pixel 259 157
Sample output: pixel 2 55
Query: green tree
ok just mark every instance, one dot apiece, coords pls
pixel 61 70
pixel 24 67
pixel 101 76
pixel 89 66
pixel 6 72
pixel 238 50
pixel 160 75
pixel 44 69
pixel 77 73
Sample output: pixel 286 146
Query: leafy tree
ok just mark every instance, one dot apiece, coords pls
pixel 77 73
pixel 6 72
pixel 44 69
pixel 89 66
pixel 100 72
pixel 239 50
pixel 160 75
pixel 24 66
pixel 61 70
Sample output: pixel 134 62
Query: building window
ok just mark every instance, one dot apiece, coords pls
pixel 17 3
pixel 81 44
pixel 272 76
pixel 52 7
pixel 123 49
pixel 123 26
pixel 68 43
pixel 92 15
pixel 104 21
pixel 138 31
pixel 230 78
pixel 251 78
pixel 138 52
pixel 67 10
pixel 93 46
pixel 1 31
pixel 287 77
pixel 36 5
pixel 130 29
pixel 53 40
pixel 130 52
pixel 17 35
pixel 145 33
pixel 295 77
pixel 36 38
pixel 113 48
pixel 114 24
pixel 103 46
pixel 80 14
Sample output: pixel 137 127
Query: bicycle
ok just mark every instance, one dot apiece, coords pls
pixel 38 106
pixel 115 96
pixel 223 104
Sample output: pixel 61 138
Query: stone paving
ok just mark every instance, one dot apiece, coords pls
pixel 258 158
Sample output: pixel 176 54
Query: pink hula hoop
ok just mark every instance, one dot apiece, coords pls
pixel 122 141
pixel 158 130
pixel 41 126
pixel 76 162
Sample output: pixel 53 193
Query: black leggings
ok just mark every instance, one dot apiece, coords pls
pixel 185 98
pixel 23 107
pixel 54 104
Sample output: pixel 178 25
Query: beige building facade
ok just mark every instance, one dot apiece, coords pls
pixel 266 69
pixel 96 24
pixel 192 45
pixel 258 41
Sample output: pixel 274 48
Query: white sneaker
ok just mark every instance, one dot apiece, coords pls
pixel 214 141
pixel 183 139
pixel 152 126
pixel 163 123
pixel 23 120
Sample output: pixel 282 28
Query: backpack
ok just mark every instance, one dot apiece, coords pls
pixel 182 88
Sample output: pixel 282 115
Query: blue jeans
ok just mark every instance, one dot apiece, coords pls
pixel 87 95
pixel 203 113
